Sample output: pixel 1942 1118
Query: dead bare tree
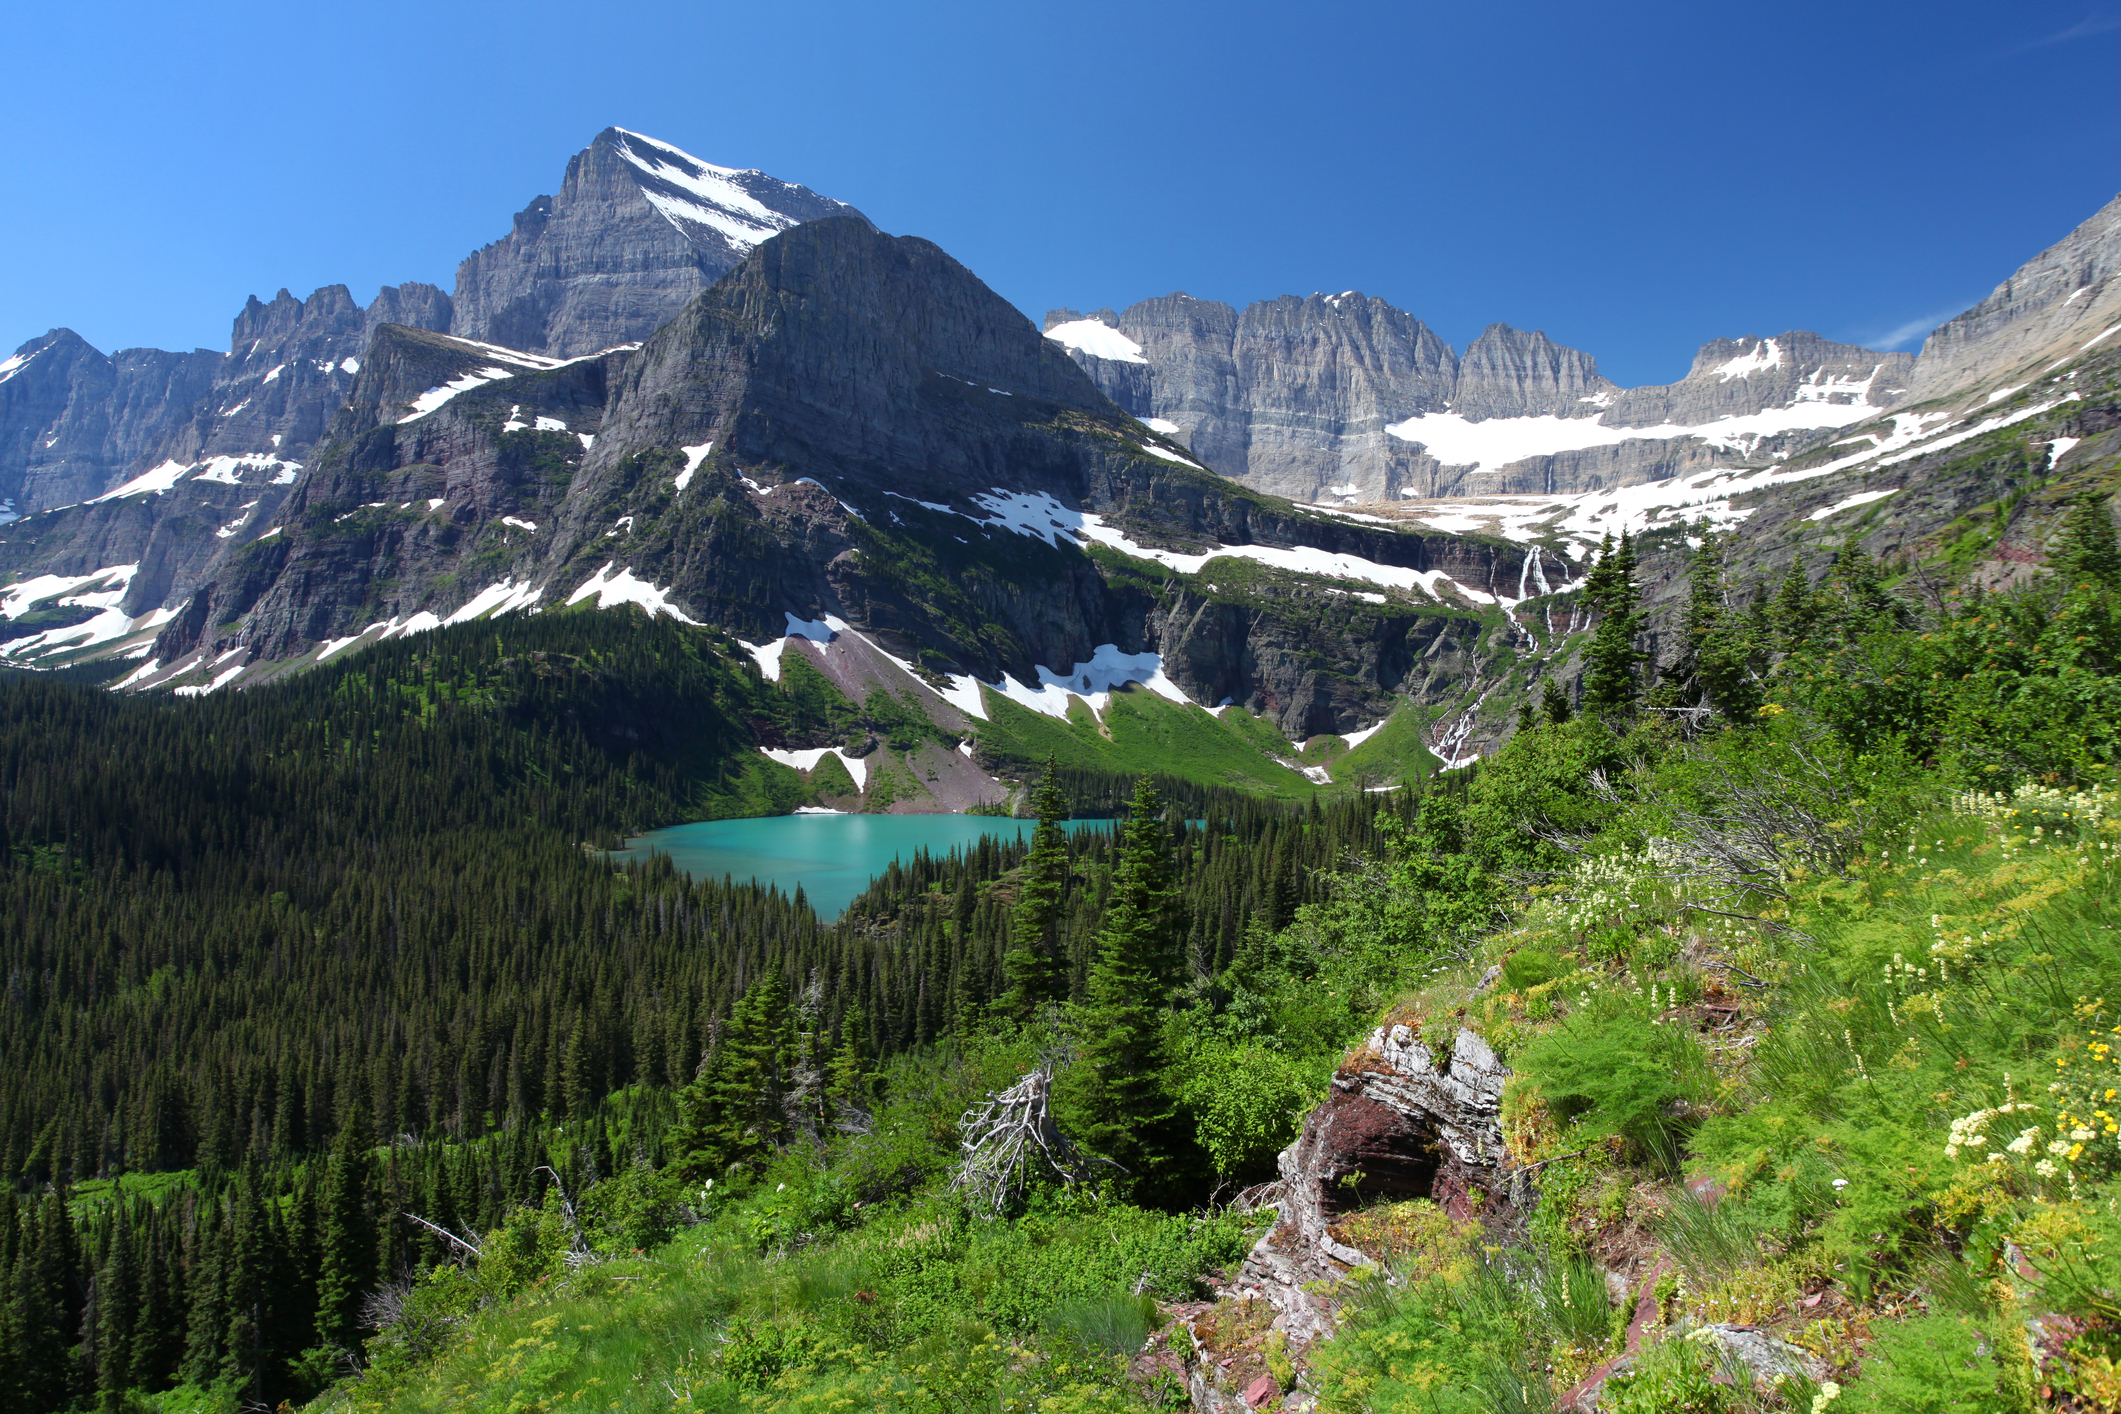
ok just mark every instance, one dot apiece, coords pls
pixel 1008 1141
pixel 1757 828
pixel 443 1232
pixel 579 1253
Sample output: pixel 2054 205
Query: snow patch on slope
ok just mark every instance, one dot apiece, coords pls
pixel 225 469
pixel 806 760
pixel 1094 682
pixel 705 196
pixel 1098 339
pixel 1494 443
pixel 433 398
pixel 1044 518
pixel 1849 503
pixel 102 589
pixel 505 597
pixel 624 588
pixel 693 457
pixel 1760 360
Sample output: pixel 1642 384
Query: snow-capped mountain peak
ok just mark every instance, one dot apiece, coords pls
pixel 724 199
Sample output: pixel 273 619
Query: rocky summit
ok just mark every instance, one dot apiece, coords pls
pixel 638 228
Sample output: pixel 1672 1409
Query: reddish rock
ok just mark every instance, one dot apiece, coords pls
pixel 1401 1122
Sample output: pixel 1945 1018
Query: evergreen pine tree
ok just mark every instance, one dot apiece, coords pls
pixel 1856 594
pixel 117 1312
pixel 1719 645
pixel 847 1085
pixel 44 1265
pixel 1705 607
pixel 1037 962
pixel 734 1113
pixel 206 1334
pixel 1796 609
pixel 1118 1084
pixel 1554 703
pixel 1609 683
pixel 158 1337
pixel 347 1234
pixel 574 1069
pixel 250 1282
pixel 2087 551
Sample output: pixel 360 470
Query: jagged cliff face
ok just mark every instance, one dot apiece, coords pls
pixel 70 416
pixel 2060 304
pixel 638 230
pixel 1343 399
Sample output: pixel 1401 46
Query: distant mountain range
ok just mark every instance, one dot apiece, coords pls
pixel 720 396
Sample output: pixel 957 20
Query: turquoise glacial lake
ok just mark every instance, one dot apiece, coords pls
pixel 832 857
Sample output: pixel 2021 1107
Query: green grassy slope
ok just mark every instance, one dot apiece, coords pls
pixel 1142 731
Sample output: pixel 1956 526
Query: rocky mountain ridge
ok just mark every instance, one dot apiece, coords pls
pixel 848 441
pixel 1345 399
pixel 848 451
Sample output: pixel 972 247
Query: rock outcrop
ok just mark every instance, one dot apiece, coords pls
pixel 1401 1121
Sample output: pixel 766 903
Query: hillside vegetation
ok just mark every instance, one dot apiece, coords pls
pixel 1799 948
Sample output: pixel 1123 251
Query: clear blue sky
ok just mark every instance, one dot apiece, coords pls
pixel 1632 178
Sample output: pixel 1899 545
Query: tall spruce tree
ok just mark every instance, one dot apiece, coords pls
pixel 2086 552
pixel 348 1238
pixel 206 1332
pixel 1118 1087
pixel 1796 609
pixel 1856 600
pixel 1037 961
pixel 734 1113
pixel 1720 645
pixel 117 1312
pixel 1554 704
pixel 250 1281
pixel 158 1337
pixel 42 1324
pixel 1610 685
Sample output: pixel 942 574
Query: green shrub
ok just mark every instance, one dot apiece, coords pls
pixel 1675 1376
pixel 1527 969
pixel 1926 1366
pixel 1575 1302
pixel 1625 1076
pixel 1710 1240
pixel 1248 1102
pixel 1115 1323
